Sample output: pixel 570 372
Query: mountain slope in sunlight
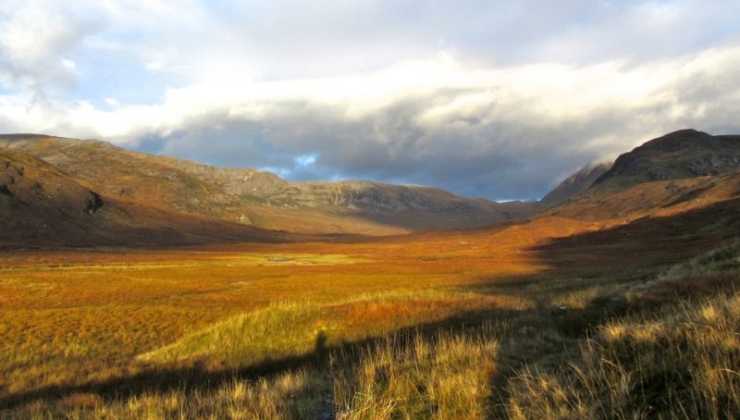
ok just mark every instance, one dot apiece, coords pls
pixel 262 199
pixel 42 206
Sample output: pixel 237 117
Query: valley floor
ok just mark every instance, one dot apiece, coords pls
pixel 554 318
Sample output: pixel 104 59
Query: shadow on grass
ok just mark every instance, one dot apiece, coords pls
pixel 648 242
pixel 197 376
pixel 630 254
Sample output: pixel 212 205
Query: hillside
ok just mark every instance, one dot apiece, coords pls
pixel 680 171
pixel 261 199
pixel 678 155
pixel 107 195
pixel 42 206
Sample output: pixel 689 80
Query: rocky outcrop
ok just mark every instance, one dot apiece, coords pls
pixel 94 203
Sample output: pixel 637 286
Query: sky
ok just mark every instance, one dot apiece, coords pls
pixel 495 99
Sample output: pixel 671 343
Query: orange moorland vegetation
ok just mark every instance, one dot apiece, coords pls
pixel 89 329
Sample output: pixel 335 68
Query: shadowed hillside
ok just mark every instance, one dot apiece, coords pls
pixel 683 170
pixel 42 206
pixel 678 155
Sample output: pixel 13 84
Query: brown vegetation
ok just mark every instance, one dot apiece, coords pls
pixel 292 330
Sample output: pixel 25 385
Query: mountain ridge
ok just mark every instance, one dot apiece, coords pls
pixel 679 171
pixel 41 206
pixel 259 198
pixel 177 201
pixel 680 154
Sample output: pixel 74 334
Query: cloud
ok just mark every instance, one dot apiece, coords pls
pixel 37 39
pixel 474 98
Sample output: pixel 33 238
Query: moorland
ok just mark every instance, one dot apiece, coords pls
pixel 615 299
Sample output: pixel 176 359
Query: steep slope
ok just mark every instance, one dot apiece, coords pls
pixel 42 206
pixel 261 199
pixel 35 198
pixel 678 155
pixel 684 170
pixel 576 184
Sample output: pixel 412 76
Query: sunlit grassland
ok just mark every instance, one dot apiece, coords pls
pixel 296 329
pixel 470 325
pixel 75 317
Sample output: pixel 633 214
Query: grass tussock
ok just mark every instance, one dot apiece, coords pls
pixel 679 364
pixel 444 377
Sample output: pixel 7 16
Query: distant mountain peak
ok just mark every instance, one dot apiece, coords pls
pixel 677 172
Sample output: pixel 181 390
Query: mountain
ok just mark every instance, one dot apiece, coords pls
pixel 679 155
pixel 683 170
pixel 42 206
pixel 576 184
pixel 91 192
pixel 260 199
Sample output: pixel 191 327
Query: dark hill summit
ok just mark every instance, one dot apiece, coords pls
pixel 680 171
pixel 678 155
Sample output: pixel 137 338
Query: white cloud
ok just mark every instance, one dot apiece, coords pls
pixel 36 38
pixel 389 90
pixel 451 90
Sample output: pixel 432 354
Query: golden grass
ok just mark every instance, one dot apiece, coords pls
pixel 443 377
pixel 293 329
pixel 679 364
pixel 296 330
pixel 277 331
pixel 72 317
